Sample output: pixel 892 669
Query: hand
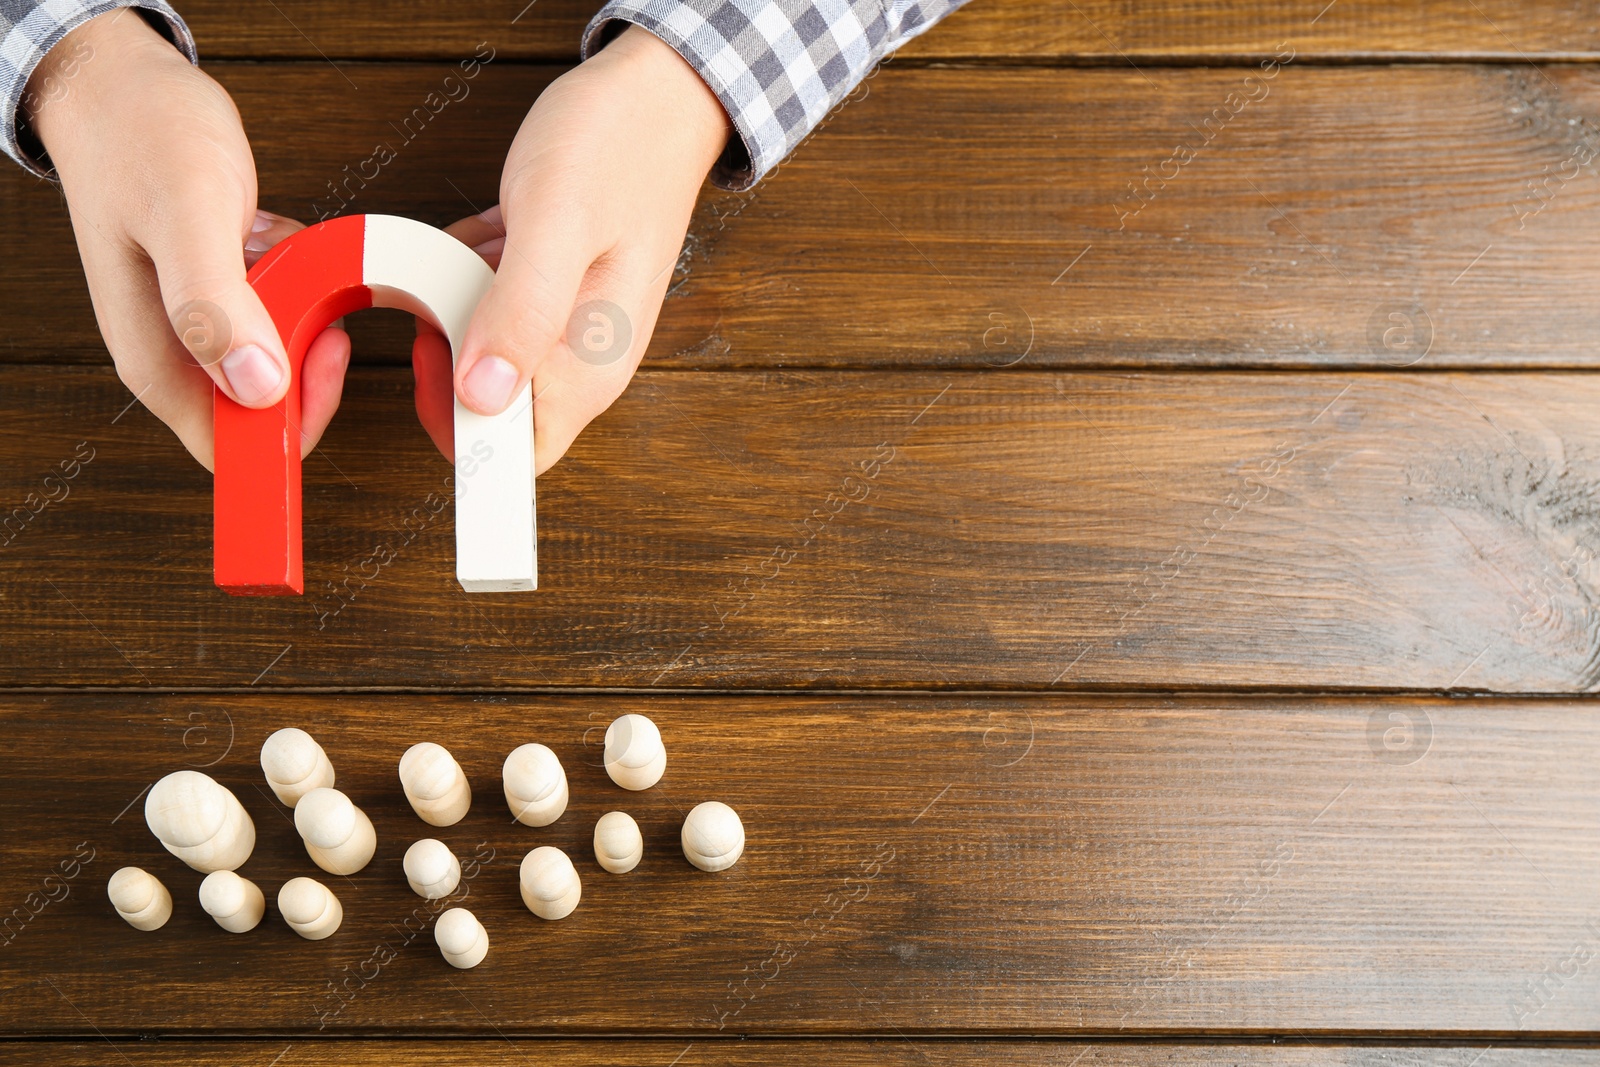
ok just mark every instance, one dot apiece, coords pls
pixel 594 202
pixel 161 187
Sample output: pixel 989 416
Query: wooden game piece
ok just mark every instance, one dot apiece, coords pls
pixel 535 785
pixel 550 885
pixel 310 908
pixel 435 784
pixel 461 938
pixel 338 835
pixel 305 282
pixel 200 821
pixel 236 903
pixel 635 757
pixel 713 836
pixel 295 765
pixel 618 844
pixel 432 870
pixel 140 898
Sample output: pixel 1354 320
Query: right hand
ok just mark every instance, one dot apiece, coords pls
pixel 161 187
pixel 595 198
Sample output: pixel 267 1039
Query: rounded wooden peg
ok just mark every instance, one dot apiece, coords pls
pixel 235 902
pixel 338 835
pixel 140 898
pixel 200 821
pixel 435 784
pixel 635 756
pixel 550 885
pixel 713 836
pixel 310 908
pixel 461 938
pixel 295 765
pixel 432 870
pixel 618 844
pixel 535 785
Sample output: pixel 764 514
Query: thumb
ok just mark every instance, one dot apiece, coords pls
pixel 524 314
pixel 199 261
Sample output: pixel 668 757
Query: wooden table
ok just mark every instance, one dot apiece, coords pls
pixel 1136 624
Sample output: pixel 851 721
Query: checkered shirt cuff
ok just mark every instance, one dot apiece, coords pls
pixel 777 66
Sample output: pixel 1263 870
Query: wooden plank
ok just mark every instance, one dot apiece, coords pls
pixel 498 1052
pixel 916 866
pixel 839 530
pixel 1351 217
pixel 1018 30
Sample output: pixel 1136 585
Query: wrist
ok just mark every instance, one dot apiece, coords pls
pixel 658 69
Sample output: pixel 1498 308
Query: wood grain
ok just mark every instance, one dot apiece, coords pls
pixel 895 443
pixel 1103 31
pixel 844 530
pixel 915 866
pixel 1343 198
pixel 494 1051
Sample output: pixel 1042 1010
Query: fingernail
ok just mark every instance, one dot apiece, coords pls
pixel 257 241
pixel 252 373
pixel 488 385
pixel 493 247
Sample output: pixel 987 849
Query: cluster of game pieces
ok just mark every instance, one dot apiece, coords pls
pixel 201 822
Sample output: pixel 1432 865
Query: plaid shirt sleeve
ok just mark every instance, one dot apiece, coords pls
pixel 29 29
pixel 778 66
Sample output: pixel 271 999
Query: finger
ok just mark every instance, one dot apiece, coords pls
pixel 435 390
pixel 524 314
pixel 608 331
pixel 321 384
pixel 475 230
pixel 215 313
pixel 492 251
pixel 265 232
